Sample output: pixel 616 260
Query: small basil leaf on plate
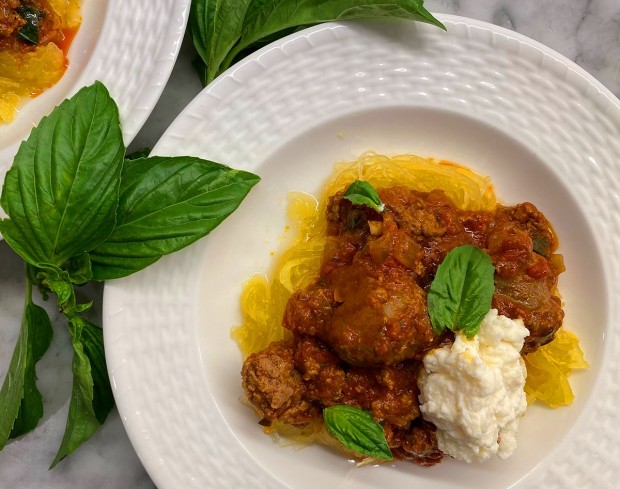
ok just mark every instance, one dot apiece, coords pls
pixel 91 396
pixel 541 245
pixel 361 192
pixel 33 17
pixel 167 203
pixel 21 403
pixel 461 292
pixel 61 193
pixel 357 430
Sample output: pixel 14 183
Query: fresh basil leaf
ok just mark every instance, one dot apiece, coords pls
pixel 461 292
pixel 61 193
pixel 139 153
pixel 361 192
pixel 541 245
pixel 268 17
pixel 200 25
pixel 221 30
pixel 239 55
pixel 103 399
pixel 91 396
pixel 40 336
pixel 33 17
pixel 21 403
pixel 357 430
pixel 79 269
pixel 59 282
pixel 216 27
pixel 167 203
pixel 201 70
pixel 52 279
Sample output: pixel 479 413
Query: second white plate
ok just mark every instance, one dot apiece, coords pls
pixel 131 50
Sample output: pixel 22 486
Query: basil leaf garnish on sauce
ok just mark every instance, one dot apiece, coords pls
pixel 461 292
pixel 361 192
pixel 357 430
pixel 33 16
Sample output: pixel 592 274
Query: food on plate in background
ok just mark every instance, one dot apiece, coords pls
pixel 35 36
pixel 415 304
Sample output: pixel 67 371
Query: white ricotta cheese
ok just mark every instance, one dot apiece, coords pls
pixel 473 390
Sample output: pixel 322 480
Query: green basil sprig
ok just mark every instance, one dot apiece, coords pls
pixel 461 292
pixel 223 31
pixel 79 211
pixel 61 193
pixel 361 192
pixel 357 430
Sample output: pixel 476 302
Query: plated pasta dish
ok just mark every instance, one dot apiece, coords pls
pixel 413 318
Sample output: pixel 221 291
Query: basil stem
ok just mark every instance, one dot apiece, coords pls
pixel 78 210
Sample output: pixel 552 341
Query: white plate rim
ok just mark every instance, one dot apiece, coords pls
pixel 239 74
pixel 137 100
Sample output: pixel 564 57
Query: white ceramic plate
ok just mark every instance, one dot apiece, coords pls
pixel 132 49
pixel 506 106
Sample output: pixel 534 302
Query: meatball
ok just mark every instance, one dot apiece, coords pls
pixel 520 243
pixel 417 444
pixel 10 20
pixel 368 309
pixel 321 370
pixel 274 387
pixel 309 311
pixel 397 403
pixel 381 317
pixel 290 380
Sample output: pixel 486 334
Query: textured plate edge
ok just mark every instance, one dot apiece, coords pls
pixel 149 95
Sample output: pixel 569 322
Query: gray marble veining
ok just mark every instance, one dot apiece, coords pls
pixel 585 31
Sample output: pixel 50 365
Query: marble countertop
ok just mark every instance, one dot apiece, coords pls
pixel 585 31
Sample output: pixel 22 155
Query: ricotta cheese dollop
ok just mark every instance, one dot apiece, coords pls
pixel 473 391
